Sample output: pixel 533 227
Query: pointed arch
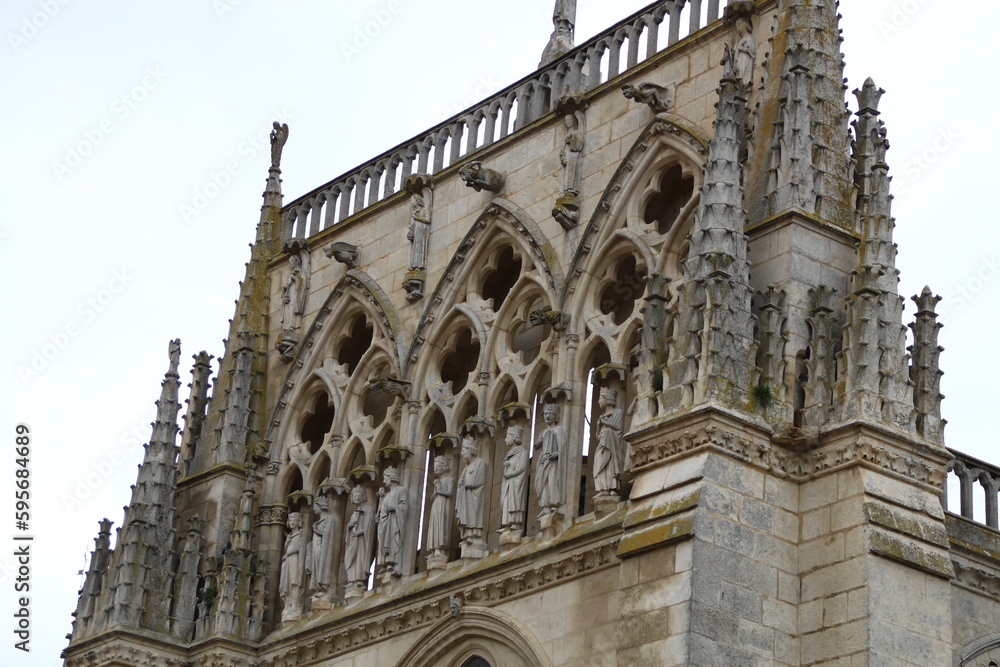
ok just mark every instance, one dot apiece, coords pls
pixel 476 631
pixel 503 217
pixel 667 140
pixel 355 289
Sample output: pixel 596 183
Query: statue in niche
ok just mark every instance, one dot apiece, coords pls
pixel 738 61
pixel 567 208
pixel 320 548
pixel 290 583
pixel 419 236
pixel 391 520
pixel 357 553
pixel 279 135
pixel 471 491
pixel 563 24
pixel 293 302
pixel 548 476
pixel 515 473
pixel 439 525
pixel 608 455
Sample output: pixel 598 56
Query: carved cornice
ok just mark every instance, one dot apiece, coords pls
pixel 542 576
pixel 125 654
pixel 785 462
pixel 347 637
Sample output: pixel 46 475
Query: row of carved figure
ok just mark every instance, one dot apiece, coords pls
pixel 389 525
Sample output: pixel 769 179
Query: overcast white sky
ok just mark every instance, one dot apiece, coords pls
pixel 122 117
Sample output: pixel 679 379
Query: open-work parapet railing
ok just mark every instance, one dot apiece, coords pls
pixel 616 50
pixel 971 471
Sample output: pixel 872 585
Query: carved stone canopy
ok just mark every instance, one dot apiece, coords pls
pixel 511 411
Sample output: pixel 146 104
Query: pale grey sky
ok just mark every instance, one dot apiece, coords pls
pixel 136 143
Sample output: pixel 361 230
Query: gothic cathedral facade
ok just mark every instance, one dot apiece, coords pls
pixel 608 370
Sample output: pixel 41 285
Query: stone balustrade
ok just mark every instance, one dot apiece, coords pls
pixel 971 471
pixel 586 67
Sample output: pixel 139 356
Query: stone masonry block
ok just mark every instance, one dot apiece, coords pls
pixel 815 523
pixel 747 480
pixel 757 515
pixel 831 643
pixel 818 493
pixel 644 628
pixel 761 577
pixel 781 616
pixel 788 587
pixel 655 595
pixel 821 552
pixel 834 579
pixel 756 638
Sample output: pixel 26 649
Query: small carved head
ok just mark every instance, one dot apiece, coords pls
pixel 609 396
pixel 550 413
pixel 321 505
pixel 442 464
pixel 390 475
pixel 515 434
pixel 294 521
pixel 470 448
pixel 358 494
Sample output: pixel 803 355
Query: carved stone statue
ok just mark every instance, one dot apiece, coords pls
pixel 419 236
pixel 738 61
pixel 515 474
pixel 658 98
pixel 290 583
pixel 279 135
pixel 357 552
pixel 420 221
pixel 320 549
pixel 439 524
pixel 551 445
pixel 174 352
pixel 391 520
pixel 608 455
pixel 480 178
pixel 567 208
pixel 563 23
pixel 293 302
pixel 470 494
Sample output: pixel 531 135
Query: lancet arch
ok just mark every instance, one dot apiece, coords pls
pixel 356 294
pixel 667 146
pixel 486 633
pixel 502 223
pixel 984 652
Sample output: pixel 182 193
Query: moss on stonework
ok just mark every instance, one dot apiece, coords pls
pixel 653 510
pixel 909 554
pixel 655 535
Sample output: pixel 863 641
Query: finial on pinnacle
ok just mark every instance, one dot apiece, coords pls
pixel 279 135
pixel 868 97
